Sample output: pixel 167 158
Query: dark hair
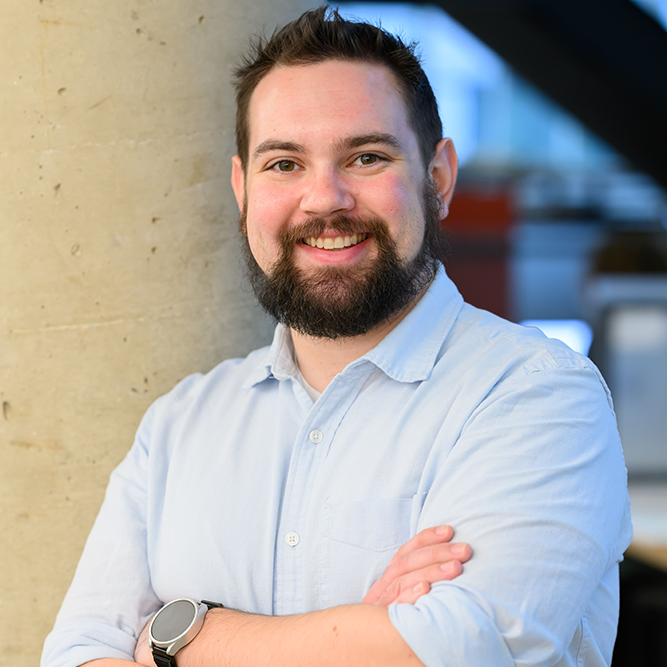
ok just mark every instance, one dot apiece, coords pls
pixel 322 34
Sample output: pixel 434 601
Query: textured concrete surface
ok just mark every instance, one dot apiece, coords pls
pixel 119 263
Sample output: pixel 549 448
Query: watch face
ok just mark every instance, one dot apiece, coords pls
pixel 173 620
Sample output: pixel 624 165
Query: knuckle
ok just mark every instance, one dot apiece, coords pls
pixel 394 570
pixel 452 570
pixel 443 551
pixel 438 553
pixel 394 588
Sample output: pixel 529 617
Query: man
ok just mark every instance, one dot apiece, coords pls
pixel 282 484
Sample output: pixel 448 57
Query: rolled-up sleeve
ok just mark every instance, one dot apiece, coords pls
pixel 110 598
pixel 536 483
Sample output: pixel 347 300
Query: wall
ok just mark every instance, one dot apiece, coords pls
pixel 118 256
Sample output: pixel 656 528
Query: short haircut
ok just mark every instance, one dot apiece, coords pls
pixel 322 34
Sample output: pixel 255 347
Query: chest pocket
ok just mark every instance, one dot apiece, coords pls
pixel 359 538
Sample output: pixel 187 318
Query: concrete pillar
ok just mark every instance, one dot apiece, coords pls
pixel 119 262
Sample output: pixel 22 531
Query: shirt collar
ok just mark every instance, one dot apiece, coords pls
pixel 408 352
pixel 278 360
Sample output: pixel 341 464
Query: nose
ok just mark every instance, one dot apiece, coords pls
pixel 326 193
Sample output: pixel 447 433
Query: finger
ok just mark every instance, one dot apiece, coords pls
pixel 416 554
pixel 429 555
pixel 405 586
pixel 423 539
pixel 413 594
pixel 374 592
pixel 437 553
pixel 427 537
pixel 379 587
pixel 418 558
pixel 431 575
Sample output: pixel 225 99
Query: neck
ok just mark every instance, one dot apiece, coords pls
pixel 321 359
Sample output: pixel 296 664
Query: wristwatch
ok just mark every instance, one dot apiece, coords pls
pixel 174 626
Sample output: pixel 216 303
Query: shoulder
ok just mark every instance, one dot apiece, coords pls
pixel 226 383
pixel 525 347
pixel 492 352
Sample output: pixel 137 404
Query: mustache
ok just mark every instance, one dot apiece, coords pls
pixel 340 225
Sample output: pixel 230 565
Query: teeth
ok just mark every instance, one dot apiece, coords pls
pixel 337 243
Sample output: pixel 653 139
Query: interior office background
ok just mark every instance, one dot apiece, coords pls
pixel 118 258
pixel 552 227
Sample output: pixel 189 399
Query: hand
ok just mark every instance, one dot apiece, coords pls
pixel 142 652
pixel 426 558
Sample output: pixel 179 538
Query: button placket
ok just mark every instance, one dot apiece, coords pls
pixel 310 451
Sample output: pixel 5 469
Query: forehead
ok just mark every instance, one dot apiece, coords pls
pixel 327 101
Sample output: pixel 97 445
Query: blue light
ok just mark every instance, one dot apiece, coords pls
pixel 576 334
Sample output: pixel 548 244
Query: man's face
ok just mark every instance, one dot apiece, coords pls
pixel 333 196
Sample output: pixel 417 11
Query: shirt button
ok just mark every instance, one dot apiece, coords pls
pixel 316 437
pixel 292 539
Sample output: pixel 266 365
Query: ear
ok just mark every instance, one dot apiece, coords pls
pixel 443 169
pixel 238 181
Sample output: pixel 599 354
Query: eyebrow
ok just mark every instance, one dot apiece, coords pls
pixel 275 145
pixel 366 139
pixel 348 143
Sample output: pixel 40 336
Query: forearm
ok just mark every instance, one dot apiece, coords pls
pixel 110 662
pixel 352 635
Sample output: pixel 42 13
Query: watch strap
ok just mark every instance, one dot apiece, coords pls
pixel 213 604
pixel 162 658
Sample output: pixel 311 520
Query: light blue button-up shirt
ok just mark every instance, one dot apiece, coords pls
pixel 240 489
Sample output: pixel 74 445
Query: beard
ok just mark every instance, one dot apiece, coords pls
pixel 340 301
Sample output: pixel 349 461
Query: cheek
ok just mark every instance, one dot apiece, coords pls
pixel 267 214
pixel 394 196
pixel 401 208
pixel 269 208
pixel 260 243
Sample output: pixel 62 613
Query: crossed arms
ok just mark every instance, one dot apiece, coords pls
pixel 541 497
pixel 352 635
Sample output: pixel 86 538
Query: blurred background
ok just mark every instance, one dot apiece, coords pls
pixel 558 111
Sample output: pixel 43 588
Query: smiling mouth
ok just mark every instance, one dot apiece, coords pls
pixel 336 243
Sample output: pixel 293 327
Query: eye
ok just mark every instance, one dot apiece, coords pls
pixel 284 165
pixel 368 159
